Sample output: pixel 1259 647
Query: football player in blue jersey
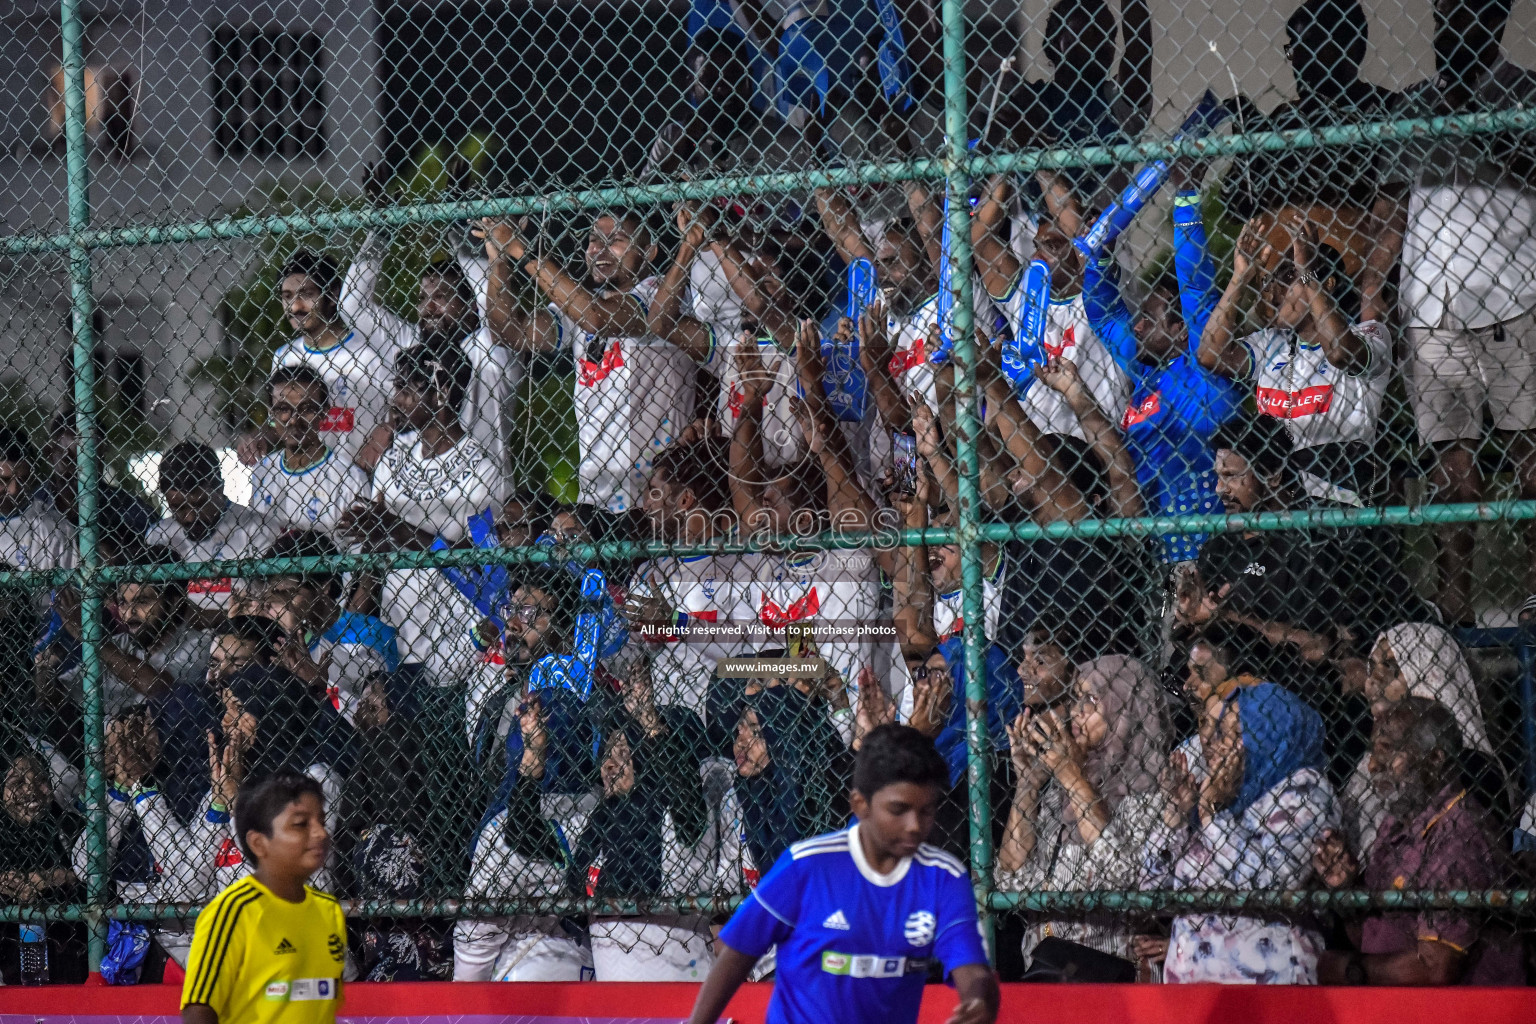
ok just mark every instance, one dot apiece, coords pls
pixel 858 916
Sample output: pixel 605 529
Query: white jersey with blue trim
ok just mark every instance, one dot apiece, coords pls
pixel 854 945
pixel 360 382
pixel 241 532
pixel 314 497
pixel 831 589
pixel 948 608
pixel 1068 335
pixel 1319 403
pixel 634 396
pixel 37 537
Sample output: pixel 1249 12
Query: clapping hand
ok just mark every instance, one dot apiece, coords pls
pixel 1181 789
pixel 1333 862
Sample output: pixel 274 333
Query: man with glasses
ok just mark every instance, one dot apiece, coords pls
pixel 304 482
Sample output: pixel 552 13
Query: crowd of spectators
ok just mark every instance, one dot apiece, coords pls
pixel 584 739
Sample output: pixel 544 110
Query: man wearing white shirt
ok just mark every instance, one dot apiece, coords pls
pixel 634 391
pixel 205 526
pixel 447 311
pixel 1461 210
pixel 356 424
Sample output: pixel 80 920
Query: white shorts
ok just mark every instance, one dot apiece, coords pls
pixel 1453 375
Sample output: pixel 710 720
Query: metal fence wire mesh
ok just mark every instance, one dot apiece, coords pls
pixel 564 430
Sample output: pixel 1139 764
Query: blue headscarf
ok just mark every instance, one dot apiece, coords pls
pixel 1282 734
pixel 1005 699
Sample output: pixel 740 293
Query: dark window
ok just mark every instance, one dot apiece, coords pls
pixel 268 91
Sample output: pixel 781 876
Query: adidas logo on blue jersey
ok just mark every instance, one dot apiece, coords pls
pixel 837 920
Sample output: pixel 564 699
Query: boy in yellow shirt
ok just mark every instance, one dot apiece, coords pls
pixel 269 948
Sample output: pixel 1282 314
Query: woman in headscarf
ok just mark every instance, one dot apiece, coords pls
pixel 792 779
pixel 1086 796
pixel 1420 659
pixel 35 839
pixel 1252 823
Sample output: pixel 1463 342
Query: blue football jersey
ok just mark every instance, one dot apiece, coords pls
pixel 853 945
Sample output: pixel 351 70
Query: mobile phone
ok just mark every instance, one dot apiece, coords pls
pixel 904 448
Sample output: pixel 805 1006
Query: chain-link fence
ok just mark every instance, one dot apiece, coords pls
pixel 565 430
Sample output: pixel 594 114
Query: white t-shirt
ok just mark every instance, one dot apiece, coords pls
pixel 633 397
pixel 360 382
pixel 440 493
pixel 827 587
pixel 437 494
pixel 1068 335
pixel 314 498
pixel 1319 403
pixel 490 404
pixel 241 532
pixel 707 589
pixel 37 537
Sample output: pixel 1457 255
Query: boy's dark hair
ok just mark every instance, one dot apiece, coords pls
pixel 443 365
pixel 190 465
pixel 562 587
pixel 260 801
pixel 304 376
pixel 898 753
pixel 257 630
pixel 691 467
pixel 307 544
pixel 16 446
pixel 320 269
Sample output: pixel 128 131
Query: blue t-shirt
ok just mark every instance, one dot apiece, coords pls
pixel 1174 409
pixel 853 945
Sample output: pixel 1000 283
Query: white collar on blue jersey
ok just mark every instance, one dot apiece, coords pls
pixel 872 876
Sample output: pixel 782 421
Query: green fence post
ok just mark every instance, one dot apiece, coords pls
pixel 957 185
pixel 78 179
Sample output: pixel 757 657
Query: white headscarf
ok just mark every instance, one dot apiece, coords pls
pixel 1431 661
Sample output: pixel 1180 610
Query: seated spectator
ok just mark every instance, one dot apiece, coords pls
pixel 1086 796
pixel 1313 365
pixel 1176 404
pixel 36 835
pixel 305 482
pixel 205 526
pixel 792 771
pixel 328 646
pixel 1419 659
pixel 633 845
pixel 121 514
pixel 433 479
pixel 634 391
pixel 354 368
pixel 518 852
pixel 448 316
pixel 393 806
pixel 32 534
pixel 162 645
pixel 1252 823
pixel 1436 835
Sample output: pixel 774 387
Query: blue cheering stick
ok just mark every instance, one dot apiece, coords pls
pixel 863 288
pixel 1208 113
pixel 940 355
pixel 1022 353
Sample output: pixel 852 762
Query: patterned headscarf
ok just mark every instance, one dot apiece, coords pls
pixel 1432 663
pixel 1132 703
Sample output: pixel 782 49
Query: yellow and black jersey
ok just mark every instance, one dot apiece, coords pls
pixel 258 958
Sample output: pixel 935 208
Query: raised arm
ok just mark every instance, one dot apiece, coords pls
pixel 1108 445
pixel 666 318
pixel 1389 222
pixel 607 315
pixel 747 474
pixel 840 221
pixel 911 586
pixel 761 291
pixel 928 215
pixel 1326 326
pixel 518 329
pixel 995 260
pixel 359 305
pixel 875 350
pixel 1049 492
pixel 1108 317
pixel 1198 295
pixel 1220 352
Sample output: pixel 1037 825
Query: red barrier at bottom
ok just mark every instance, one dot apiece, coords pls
pixel 1022 1004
